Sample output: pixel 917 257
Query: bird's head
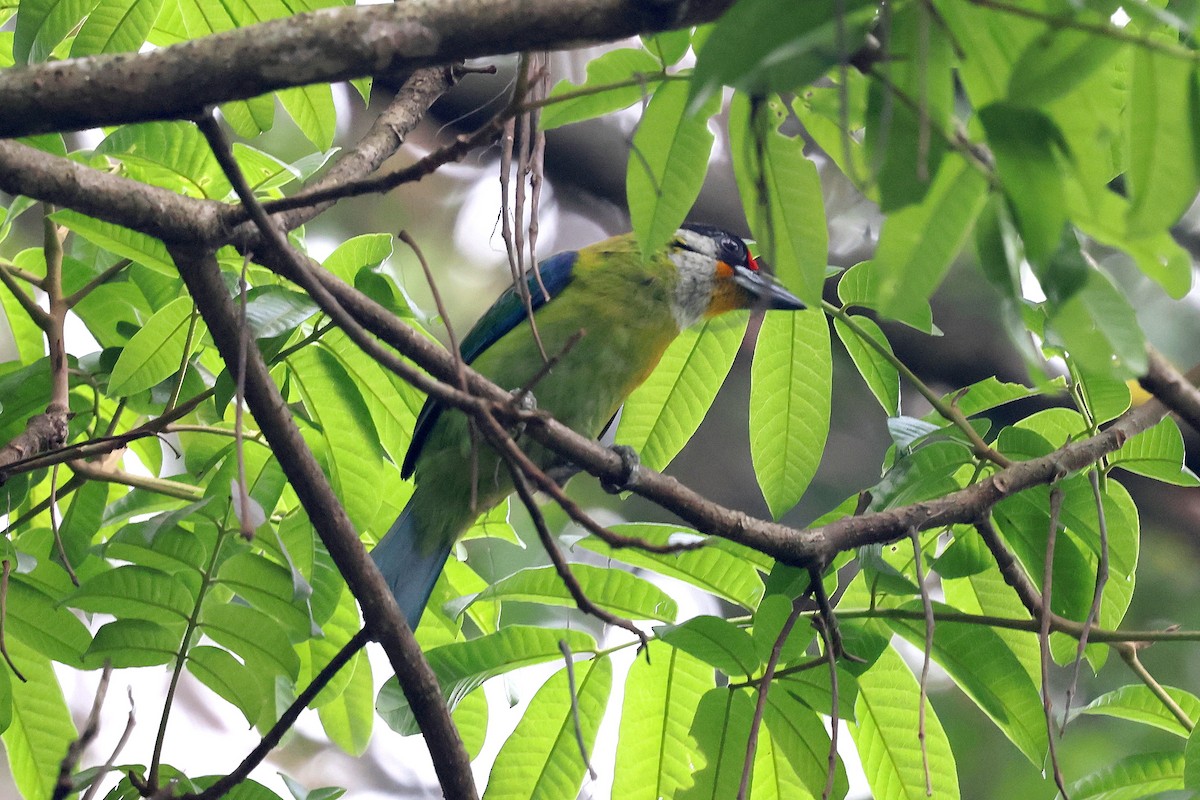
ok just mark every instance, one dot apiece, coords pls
pixel 717 273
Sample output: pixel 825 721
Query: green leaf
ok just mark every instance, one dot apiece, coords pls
pixel 624 65
pixel 654 748
pixel 317 652
pixel 271 588
pixel 1099 329
pixel 471 719
pixel 721 727
pixel 979 661
pixel 35 614
pixel 1132 778
pixel 228 677
pixel 1156 453
pixel 610 588
pixel 662 414
pixel 669 46
pixel 42 24
pixel 252 635
pixel 1024 521
pixel 462 667
pixel 1137 703
pixel 1057 62
pixel 119 241
pixel 799 736
pixel 311 108
pixel 174 155
pixel 1164 154
pixel 879 373
pixel 135 592
pixel 991 392
pixel 157 350
pixel 987 592
pixel 901 138
pixel 338 409
pixel 1026 144
pixel 716 568
pixel 391 401
pixel 774 778
pixel 769 619
pixel 667 165
pixel 116 26
pixel 885 732
pixel 274 310
pixel 790 390
pixel 41 727
pixel 918 243
pixel 349 718
pixel 1191 766
pixel 358 252
pixel 715 641
pixel 541 759
pixel 771 169
pixel 866 285
pixel 134 643
pixel 925 473
pixel 756 49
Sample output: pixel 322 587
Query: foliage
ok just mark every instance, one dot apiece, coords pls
pixel 1036 131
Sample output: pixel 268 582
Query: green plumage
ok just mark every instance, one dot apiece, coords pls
pixel 628 311
pixel 622 305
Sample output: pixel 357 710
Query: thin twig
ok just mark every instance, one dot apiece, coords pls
pixel 547 484
pixel 927 607
pixel 561 566
pixel 105 276
pixel 26 301
pixel 455 349
pixel 245 523
pixel 56 528
pixel 1056 497
pixel 65 786
pixel 1012 572
pixel 570 665
pixel 764 686
pixel 1093 615
pixel 1130 654
pixel 5 569
pixel 187 356
pixel 830 657
pixel 130 721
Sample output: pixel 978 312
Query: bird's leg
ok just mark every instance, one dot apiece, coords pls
pixel 523 401
pixel 631 462
pixel 561 473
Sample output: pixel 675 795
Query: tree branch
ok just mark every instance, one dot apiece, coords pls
pixel 332 44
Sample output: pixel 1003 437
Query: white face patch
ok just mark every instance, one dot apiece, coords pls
pixel 697 265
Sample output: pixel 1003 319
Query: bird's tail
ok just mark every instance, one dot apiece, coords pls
pixel 409 570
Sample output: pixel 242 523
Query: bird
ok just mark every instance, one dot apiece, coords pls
pixel 608 314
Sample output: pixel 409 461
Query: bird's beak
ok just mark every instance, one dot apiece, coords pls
pixel 764 291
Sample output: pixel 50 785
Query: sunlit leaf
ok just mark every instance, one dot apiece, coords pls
pixel 790 389
pixel 667 165
pixel 661 415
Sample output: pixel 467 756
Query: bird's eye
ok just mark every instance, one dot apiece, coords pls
pixel 734 251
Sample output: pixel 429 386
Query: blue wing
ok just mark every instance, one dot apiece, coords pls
pixel 505 314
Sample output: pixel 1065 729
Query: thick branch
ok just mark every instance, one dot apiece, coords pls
pixel 383 619
pixel 331 44
pixel 1177 391
pixel 152 210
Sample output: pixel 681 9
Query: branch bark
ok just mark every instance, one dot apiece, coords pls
pixel 331 44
